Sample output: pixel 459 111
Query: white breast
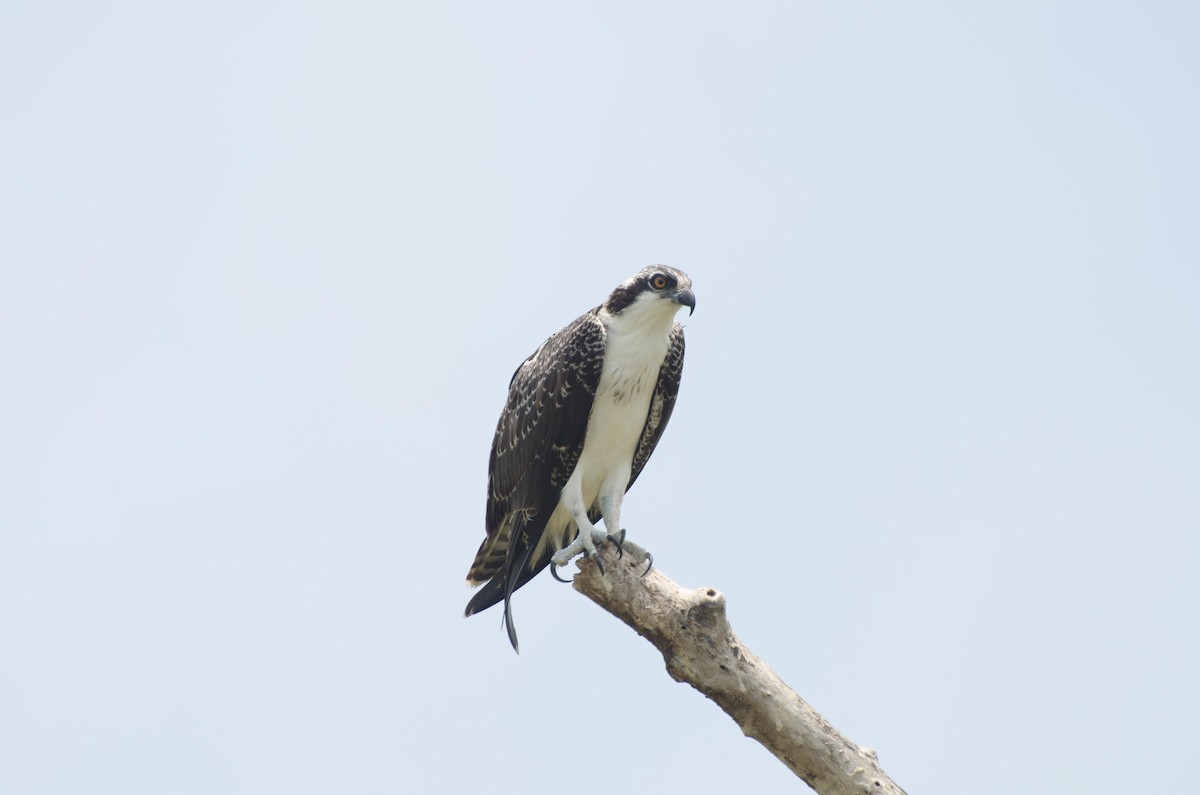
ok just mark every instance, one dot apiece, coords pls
pixel 632 359
pixel 635 347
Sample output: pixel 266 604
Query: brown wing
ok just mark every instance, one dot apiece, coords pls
pixel 537 444
pixel 661 404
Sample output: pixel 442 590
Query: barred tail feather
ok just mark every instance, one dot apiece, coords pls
pixel 516 572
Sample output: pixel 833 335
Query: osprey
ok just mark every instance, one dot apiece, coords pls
pixel 583 415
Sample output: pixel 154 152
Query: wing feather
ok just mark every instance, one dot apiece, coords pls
pixel 662 403
pixel 535 449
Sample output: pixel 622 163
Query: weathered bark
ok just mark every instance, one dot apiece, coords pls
pixel 691 630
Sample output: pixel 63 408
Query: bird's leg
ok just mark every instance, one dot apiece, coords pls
pixel 610 508
pixel 590 537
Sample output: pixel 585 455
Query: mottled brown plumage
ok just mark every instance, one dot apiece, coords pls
pixel 543 430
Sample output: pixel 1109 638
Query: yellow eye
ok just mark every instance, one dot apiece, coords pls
pixel 659 282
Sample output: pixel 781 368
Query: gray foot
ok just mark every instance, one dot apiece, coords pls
pixel 636 552
pixel 587 544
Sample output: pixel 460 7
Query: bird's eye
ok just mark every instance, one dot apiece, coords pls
pixel 659 281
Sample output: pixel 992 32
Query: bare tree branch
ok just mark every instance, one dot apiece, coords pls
pixel 691 630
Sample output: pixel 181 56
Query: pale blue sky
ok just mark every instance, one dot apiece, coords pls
pixel 265 271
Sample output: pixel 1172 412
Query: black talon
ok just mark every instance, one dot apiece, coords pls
pixel 649 564
pixel 554 574
pixel 618 540
pixel 599 565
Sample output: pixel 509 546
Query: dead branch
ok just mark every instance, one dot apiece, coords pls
pixel 691 630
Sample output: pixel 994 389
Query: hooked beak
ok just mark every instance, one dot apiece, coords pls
pixel 686 298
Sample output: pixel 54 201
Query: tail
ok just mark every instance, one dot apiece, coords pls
pixel 516 572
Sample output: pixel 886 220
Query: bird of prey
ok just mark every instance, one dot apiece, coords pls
pixel 583 415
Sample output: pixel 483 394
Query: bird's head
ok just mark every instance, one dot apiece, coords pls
pixel 657 290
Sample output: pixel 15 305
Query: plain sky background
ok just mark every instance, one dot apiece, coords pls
pixel 265 271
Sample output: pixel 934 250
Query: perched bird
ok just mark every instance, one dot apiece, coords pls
pixel 583 415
